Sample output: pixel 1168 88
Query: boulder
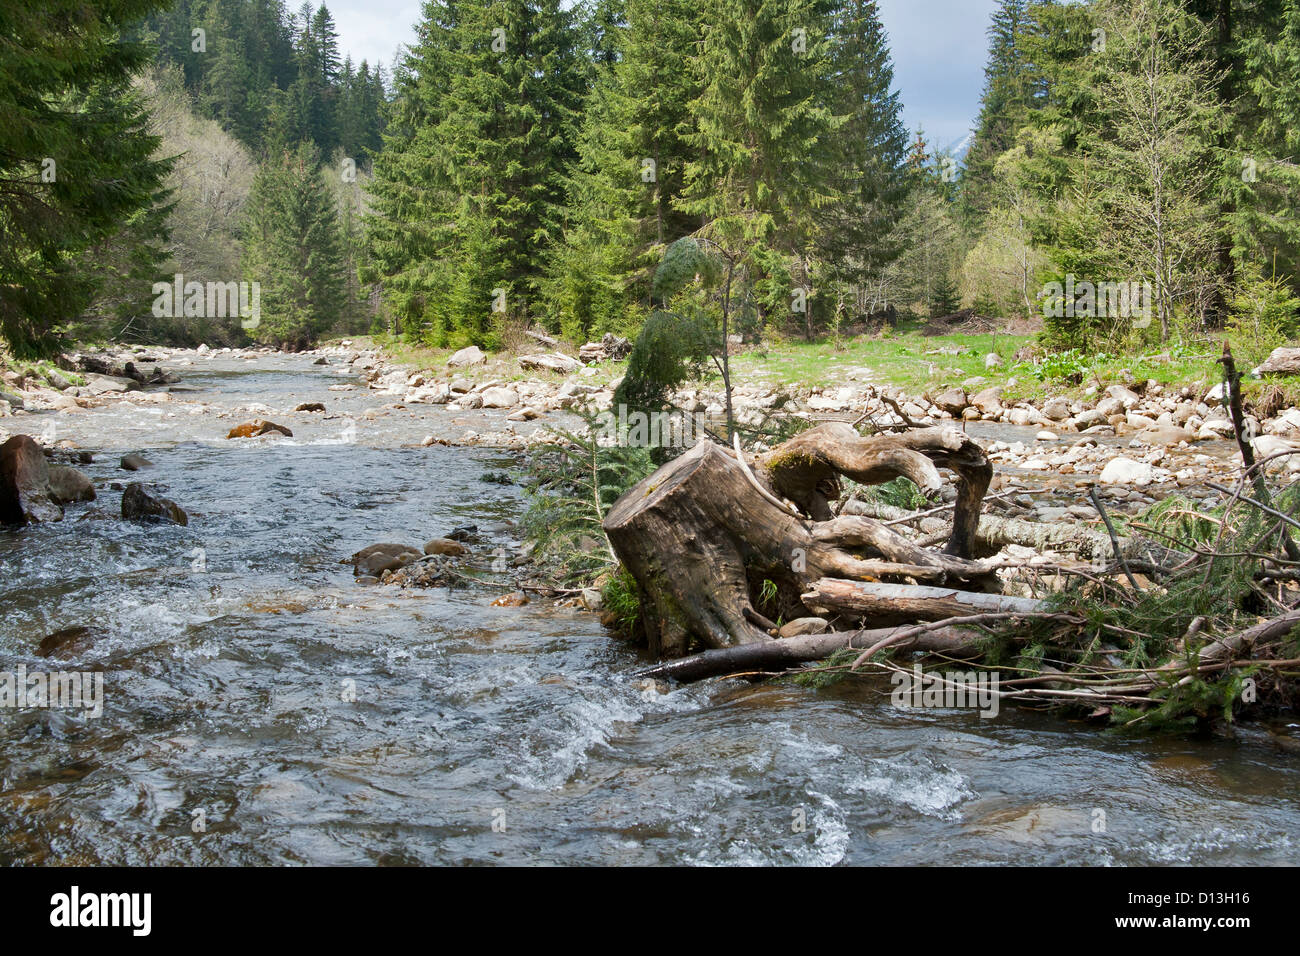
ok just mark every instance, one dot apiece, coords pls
pixel 25 483
pixel 378 558
pixel 106 384
pixel 989 400
pixel 470 355
pixel 258 426
pixel 1281 361
pixel 1126 471
pixel 1057 409
pixel 953 401
pixel 134 462
pixel 67 485
pixel 435 394
pixel 499 397
pixel 551 362
pixel 444 546
pixel 1164 435
pixel 15 401
pixel 309 407
pixel 141 502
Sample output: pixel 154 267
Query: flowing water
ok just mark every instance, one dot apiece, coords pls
pixel 484 734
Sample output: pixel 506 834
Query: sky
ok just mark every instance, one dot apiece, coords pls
pixel 938 48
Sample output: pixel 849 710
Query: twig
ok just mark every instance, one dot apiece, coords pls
pixel 1114 538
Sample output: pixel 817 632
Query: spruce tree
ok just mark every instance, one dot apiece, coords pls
pixel 292 248
pixel 75 155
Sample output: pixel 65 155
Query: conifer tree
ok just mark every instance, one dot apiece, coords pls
pixel 292 249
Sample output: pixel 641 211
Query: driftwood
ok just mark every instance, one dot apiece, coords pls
pixel 909 602
pixel 705 536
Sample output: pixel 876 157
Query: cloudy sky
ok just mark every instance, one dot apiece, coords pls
pixel 938 47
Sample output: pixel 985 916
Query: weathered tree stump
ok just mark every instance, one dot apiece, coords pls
pixel 705 537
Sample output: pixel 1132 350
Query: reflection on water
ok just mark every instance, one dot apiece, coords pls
pixel 229 695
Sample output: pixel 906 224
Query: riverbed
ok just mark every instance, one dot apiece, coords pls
pixel 263 708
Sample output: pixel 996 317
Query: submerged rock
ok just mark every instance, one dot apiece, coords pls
pixel 143 503
pixel 374 560
pixel 67 485
pixel 258 426
pixel 444 546
pixel 134 462
pixel 65 643
pixel 25 483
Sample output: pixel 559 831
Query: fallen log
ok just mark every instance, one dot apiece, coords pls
pixel 881 603
pixel 793 651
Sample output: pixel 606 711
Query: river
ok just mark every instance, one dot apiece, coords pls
pixel 484 734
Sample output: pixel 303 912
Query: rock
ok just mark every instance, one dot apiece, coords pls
pixel 523 415
pixel 470 355
pixel 259 426
pixel 1126 471
pixel 1125 396
pixel 465 532
pixel 444 546
pixel 25 483
pixel 58 380
pixel 803 625
pixel 65 643
pixel 14 400
pixel 106 384
pixel 375 559
pixel 142 502
pixel 321 361
pixel 1047 436
pixel 988 401
pixel 67 485
pixel 1281 361
pixel 134 462
pixel 499 397
pixel 513 599
pixel 434 394
pixel 1057 409
pixel 592 599
pixel 952 401
pixel 993 360
pixel 309 407
pixel 1164 435
pixel 1266 445
pixel 551 361
pixel 422 574
pixel 1216 428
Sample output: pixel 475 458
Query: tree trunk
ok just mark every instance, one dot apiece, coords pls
pixel 707 539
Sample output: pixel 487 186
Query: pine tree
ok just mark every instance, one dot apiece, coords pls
pixel 868 150
pixel 487 181
pixel 1005 105
pixel 292 249
pixel 631 168
pixel 763 120
pixel 75 155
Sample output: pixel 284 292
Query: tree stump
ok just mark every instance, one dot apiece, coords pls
pixel 706 538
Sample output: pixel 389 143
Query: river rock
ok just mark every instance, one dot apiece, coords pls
pixel 1126 471
pixel 15 401
pixel 551 361
pixel 67 485
pixel 499 397
pixel 513 599
pixel 309 407
pixel 1216 428
pixel 65 643
pixel 444 546
pixel 25 483
pixel 1057 409
pixel 259 426
pixel 470 355
pixel 1158 434
pixel 141 502
pixel 108 384
pixel 953 401
pixel 435 394
pixel 134 462
pixel 375 559
pixel 988 401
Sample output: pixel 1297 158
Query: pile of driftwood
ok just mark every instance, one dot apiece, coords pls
pixel 723 546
